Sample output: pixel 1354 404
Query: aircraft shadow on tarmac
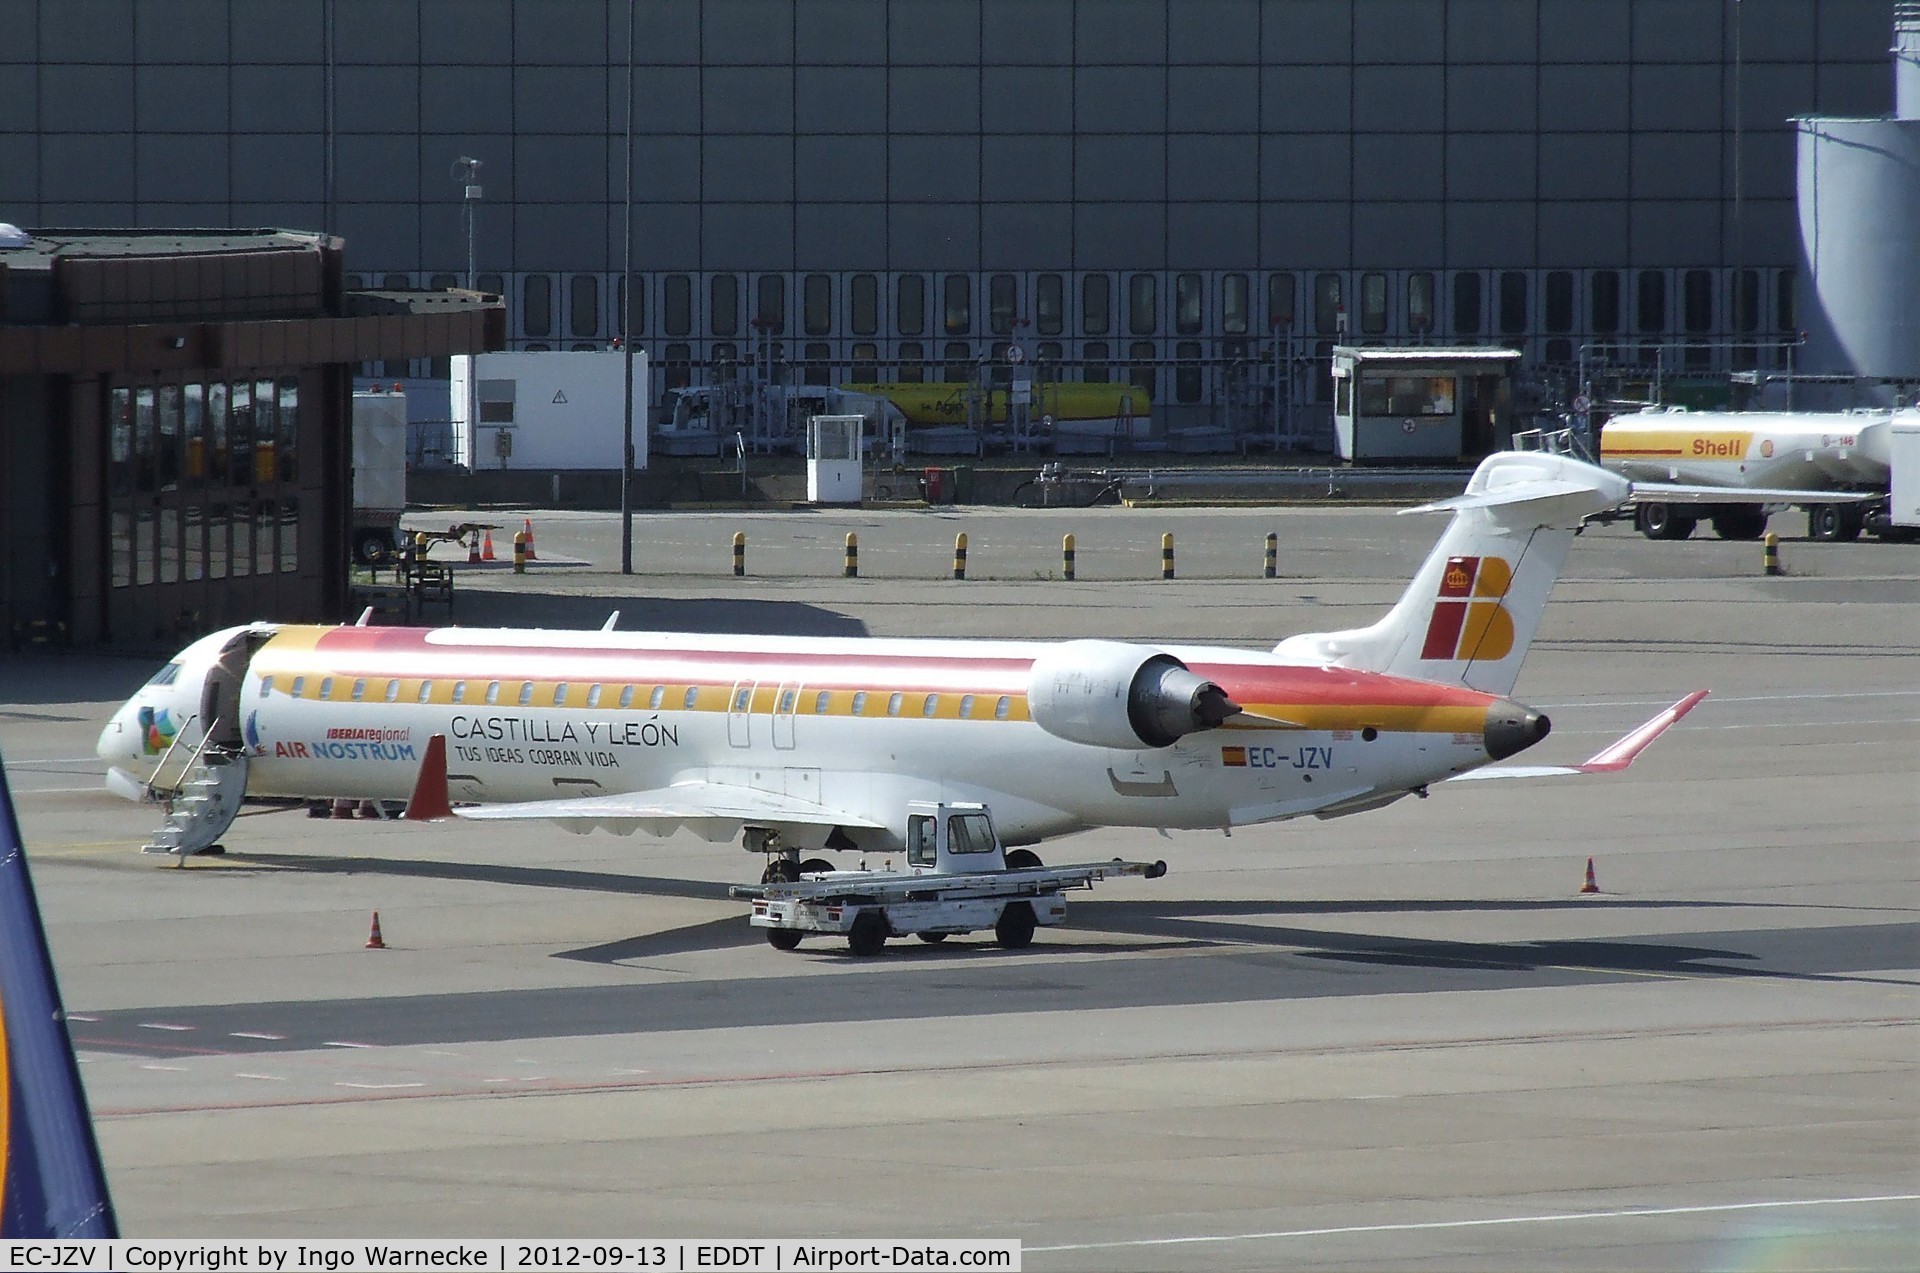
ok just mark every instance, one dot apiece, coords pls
pixel 653 614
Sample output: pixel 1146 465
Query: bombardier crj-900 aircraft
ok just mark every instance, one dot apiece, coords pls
pixel 804 744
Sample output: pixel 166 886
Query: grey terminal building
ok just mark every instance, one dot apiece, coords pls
pixel 1202 195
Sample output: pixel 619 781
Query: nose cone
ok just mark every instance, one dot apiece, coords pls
pixel 113 744
pixel 1512 728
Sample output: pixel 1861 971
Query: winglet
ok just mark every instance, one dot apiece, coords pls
pixel 1620 753
pixel 429 801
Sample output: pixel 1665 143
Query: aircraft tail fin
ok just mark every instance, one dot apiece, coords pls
pixel 51 1181
pixel 1471 611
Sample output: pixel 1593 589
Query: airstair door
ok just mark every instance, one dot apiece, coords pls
pixel 784 707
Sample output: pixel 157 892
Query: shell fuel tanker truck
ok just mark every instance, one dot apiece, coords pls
pixel 1865 462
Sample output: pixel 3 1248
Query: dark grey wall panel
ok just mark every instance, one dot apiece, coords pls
pixel 1120 32
pixel 664 168
pixel 383 236
pixel 1306 98
pixel 1304 235
pixel 835 169
pixel 670 35
pixel 561 236
pixel 840 99
pixel 1127 168
pixel 1677 97
pixel 1492 30
pixel 1120 236
pixel 1676 166
pixel 1398 98
pixel 1859 92
pixel 1308 31
pixel 666 236
pixel 86 99
pixel 747 99
pixel 1022 168
pixel 1496 234
pixel 87 31
pixel 753 236
pixel 1584 98
pixel 1120 99
pixel 933 168
pixel 19 171
pixel 1021 32
pixel 1026 99
pixel 1490 98
pixel 377 99
pixel 464 99
pixel 568 33
pixel 1583 166
pixel 561 99
pixel 933 99
pixel 76 167
pixel 1577 235
pixel 1400 32
pixel 468 32
pixel 838 236
pixel 1399 235
pixel 20 97
pixel 278 31
pixel 934 31
pixel 1213 99
pixel 1582 31
pixel 285 168
pixel 181 99
pixel 1673 233
pixel 747 169
pixel 666 100
pixel 1212 235
pixel 1398 165
pixel 21 19
pixel 174 168
pixel 379 32
pixel 278 99
pixel 438 151
pixel 382 168
pixel 1490 166
pixel 933 236
pixel 1204 167
pixel 1673 30
pixel 1214 32
pixel 1306 166
pixel 841 32
pixel 747 32
pixel 1026 236
pixel 175 32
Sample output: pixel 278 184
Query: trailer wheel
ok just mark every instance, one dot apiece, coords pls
pixel 1823 523
pixel 1853 520
pixel 372 547
pixel 1659 521
pixel 1014 931
pixel 868 934
pixel 1744 522
pixel 932 939
pixel 1023 860
pixel 784 938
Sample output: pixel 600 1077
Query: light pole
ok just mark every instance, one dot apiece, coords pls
pixel 466 171
pixel 626 329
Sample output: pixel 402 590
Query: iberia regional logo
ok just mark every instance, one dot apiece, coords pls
pixel 1469 622
pixel 157 730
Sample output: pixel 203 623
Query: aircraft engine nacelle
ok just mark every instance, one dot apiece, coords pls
pixel 1108 694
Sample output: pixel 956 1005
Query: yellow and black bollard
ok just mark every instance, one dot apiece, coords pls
pixel 1166 555
pixel 519 552
pixel 1066 557
pixel 1773 554
pixel 853 556
pixel 739 553
pixel 1272 568
pixel 960 555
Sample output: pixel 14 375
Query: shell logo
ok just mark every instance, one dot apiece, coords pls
pixel 1469 622
pixel 1766 449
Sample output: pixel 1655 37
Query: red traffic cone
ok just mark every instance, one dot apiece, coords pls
pixel 374 941
pixel 529 522
pixel 1592 885
pixel 473 549
pixel 486 547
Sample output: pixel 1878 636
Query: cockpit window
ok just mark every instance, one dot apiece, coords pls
pixel 166 675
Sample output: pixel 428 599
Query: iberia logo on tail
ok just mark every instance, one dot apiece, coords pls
pixel 1468 620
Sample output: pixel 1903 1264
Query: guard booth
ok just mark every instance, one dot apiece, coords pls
pixel 1422 402
pixel 833 459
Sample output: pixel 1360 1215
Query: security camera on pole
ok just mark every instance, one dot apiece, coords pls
pixel 466 171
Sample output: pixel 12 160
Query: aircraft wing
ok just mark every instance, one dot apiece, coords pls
pixel 1672 493
pixel 51 1181
pixel 712 810
pixel 1612 758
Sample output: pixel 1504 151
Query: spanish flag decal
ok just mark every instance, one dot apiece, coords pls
pixel 1469 622
pixel 1234 757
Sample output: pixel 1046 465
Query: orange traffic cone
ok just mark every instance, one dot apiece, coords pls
pixel 529 522
pixel 1592 885
pixel 374 941
pixel 486 547
pixel 473 549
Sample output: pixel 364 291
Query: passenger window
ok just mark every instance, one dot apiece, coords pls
pixel 526 693
pixel 742 699
pixel 393 691
pixel 459 691
pixel 299 686
pixel 560 694
pixel 693 697
pixel 966 707
pixel 893 704
pixel 820 702
pixel 786 703
pixel 931 706
pixel 1002 707
pixel 493 691
pixel 658 697
pixel 359 689
pixel 593 696
pixel 860 703
pixel 626 697
pixel 266 686
pixel 426 691
pixel 326 688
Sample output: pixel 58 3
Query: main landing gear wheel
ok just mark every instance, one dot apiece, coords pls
pixel 814 866
pixel 781 871
pixel 784 938
pixel 868 934
pixel 1023 860
pixel 1014 931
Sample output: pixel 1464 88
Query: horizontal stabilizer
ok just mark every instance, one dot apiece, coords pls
pixel 1528 492
pixel 1671 493
pixel 1612 758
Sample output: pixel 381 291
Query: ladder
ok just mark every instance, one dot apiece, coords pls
pixel 204 801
